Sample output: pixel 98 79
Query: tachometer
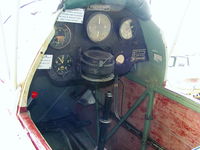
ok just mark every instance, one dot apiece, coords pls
pixel 98 27
pixel 127 29
pixel 61 38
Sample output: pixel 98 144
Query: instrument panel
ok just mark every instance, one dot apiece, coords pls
pixel 115 31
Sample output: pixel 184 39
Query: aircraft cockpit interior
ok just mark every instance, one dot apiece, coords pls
pixel 78 86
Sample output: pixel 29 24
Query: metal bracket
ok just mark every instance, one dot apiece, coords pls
pixel 148 117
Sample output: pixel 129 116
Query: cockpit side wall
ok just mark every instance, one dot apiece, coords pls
pixel 152 72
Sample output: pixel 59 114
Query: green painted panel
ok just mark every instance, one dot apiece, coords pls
pixel 152 71
pixel 139 7
pixel 69 4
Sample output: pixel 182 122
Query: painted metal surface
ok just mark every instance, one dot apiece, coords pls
pixel 37 139
pixel 139 7
pixel 187 102
pixel 148 118
pixel 152 72
pixel 174 126
pixel 128 113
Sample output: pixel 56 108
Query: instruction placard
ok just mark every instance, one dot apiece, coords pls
pixel 139 55
pixel 72 16
pixel 46 62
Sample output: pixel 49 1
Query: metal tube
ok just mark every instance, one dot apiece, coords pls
pixel 97 118
pixel 147 122
pixel 76 142
pixel 105 121
pixel 107 106
pixel 130 111
pixel 89 136
pixel 116 99
pixel 132 129
pixel 103 130
pixel 66 139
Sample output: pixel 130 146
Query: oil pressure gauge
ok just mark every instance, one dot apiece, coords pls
pixel 127 29
pixel 98 27
pixel 61 38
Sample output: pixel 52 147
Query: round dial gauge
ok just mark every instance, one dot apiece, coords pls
pixel 62 65
pixel 127 29
pixel 98 27
pixel 61 38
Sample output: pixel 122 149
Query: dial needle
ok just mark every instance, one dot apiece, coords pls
pixel 60 59
pixel 99 20
pixel 63 59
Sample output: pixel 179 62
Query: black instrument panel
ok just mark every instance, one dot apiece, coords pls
pixel 116 32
